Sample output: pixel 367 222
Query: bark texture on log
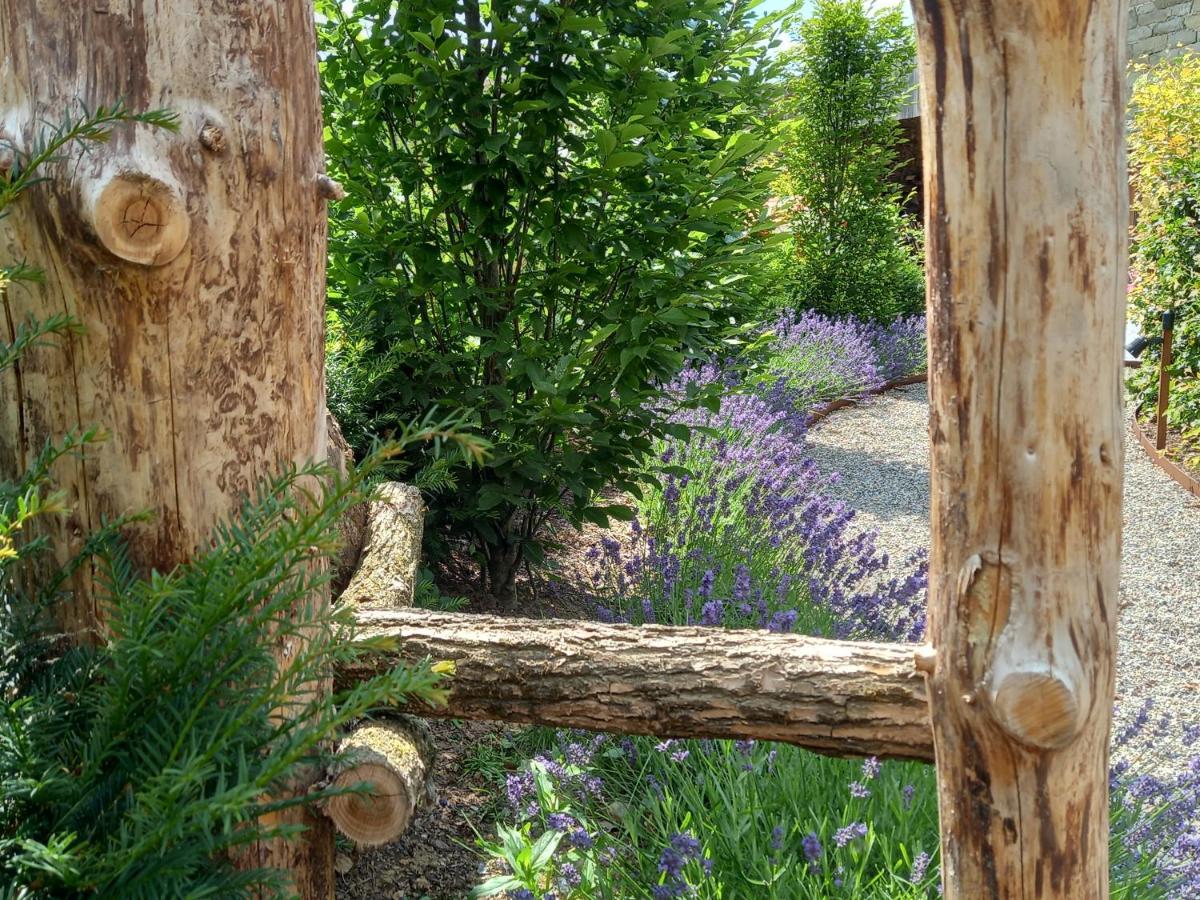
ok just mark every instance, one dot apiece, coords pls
pixel 394 757
pixel 353 525
pixel 836 697
pixel 386 572
pixel 195 262
pixel 1022 108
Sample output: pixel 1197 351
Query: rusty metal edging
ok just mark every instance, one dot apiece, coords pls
pixel 1176 472
pixel 822 411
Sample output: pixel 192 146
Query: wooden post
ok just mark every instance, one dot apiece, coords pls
pixel 1026 208
pixel 195 262
pixel 1164 381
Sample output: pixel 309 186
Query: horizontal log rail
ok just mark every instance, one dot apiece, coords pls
pixel 839 698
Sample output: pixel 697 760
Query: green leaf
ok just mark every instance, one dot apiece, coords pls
pixel 423 39
pixel 659 47
pixel 544 848
pixel 495 885
pixel 621 513
pixel 624 158
pixel 606 141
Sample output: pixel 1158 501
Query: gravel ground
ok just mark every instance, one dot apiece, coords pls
pixel 881 450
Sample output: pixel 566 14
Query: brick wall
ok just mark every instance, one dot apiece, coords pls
pixel 1158 28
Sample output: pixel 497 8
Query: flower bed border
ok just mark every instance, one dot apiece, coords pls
pixel 822 411
pixel 1186 481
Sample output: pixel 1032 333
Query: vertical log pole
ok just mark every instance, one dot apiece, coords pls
pixel 196 264
pixel 1164 380
pixel 1026 208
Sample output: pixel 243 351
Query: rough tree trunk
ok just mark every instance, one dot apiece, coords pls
pixel 1022 109
pixel 837 697
pixel 194 260
pixel 392 756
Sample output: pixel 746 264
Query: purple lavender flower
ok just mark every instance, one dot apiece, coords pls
pixel 859 790
pixel 777 837
pixel 920 864
pixel 713 613
pixel 519 787
pixel 811 845
pixel 580 839
pixel 560 821
pixel 683 848
pixel 844 836
pixel 568 877
pixel 870 768
pixel 908 792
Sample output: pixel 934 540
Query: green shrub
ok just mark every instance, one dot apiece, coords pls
pixel 851 251
pixel 551 209
pixel 1164 151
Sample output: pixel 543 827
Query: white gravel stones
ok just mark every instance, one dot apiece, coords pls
pixel 881 450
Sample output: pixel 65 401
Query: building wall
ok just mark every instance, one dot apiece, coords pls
pixel 1159 28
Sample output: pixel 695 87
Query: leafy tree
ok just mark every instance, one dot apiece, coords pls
pixel 848 78
pixel 1164 149
pixel 551 210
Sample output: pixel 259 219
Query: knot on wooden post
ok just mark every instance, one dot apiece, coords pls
pixel 1039 709
pixel 1022 652
pixel 137 216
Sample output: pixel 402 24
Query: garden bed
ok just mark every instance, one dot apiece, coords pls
pixel 750 538
pixel 1182 465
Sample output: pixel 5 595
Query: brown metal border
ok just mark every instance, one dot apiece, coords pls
pixel 1186 481
pixel 822 411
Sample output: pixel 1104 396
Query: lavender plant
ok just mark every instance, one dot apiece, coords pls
pixel 740 533
pixel 820 359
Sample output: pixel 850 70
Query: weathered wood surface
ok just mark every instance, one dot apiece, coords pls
pixel 1022 111
pixel 394 758
pixel 837 697
pixel 386 573
pixel 352 527
pixel 195 262
pixel 204 332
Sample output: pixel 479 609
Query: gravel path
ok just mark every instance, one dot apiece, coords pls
pixel 881 450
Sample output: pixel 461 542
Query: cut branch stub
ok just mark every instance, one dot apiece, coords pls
pixel 1039 709
pixel 394 759
pixel 1030 672
pixel 138 217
